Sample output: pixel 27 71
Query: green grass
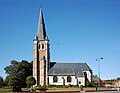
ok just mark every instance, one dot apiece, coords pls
pixel 55 88
pixel 69 88
pixel 5 90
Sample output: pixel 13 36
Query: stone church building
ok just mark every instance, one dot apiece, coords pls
pixel 55 73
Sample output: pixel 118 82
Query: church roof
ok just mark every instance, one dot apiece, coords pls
pixel 68 69
pixel 41 33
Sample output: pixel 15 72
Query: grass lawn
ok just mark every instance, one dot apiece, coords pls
pixel 77 88
pixel 69 88
pixel 5 90
pixel 56 89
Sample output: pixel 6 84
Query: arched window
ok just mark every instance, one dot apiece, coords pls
pixel 55 79
pixel 42 46
pixel 68 78
pixel 39 46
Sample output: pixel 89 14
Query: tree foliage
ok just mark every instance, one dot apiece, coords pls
pixel 21 70
pixel 109 81
pixel 1 82
pixel 30 81
pixel 14 83
pixel 118 78
pixel 6 81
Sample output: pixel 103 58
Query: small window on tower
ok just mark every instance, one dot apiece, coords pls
pixel 39 46
pixel 43 58
pixel 42 46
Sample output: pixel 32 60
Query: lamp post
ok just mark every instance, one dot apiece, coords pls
pixel 98 60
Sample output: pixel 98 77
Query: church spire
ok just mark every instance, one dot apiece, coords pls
pixel 41 58
pixel 41 33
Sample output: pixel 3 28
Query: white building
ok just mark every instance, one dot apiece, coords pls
pixel 69 73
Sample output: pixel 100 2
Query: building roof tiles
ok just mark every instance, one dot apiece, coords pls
pixel 76 69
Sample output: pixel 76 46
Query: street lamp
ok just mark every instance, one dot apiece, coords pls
pixel 98 60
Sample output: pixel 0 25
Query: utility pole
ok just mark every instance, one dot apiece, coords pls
pixel 99 60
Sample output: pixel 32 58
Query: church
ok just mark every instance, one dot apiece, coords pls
pixel 55 73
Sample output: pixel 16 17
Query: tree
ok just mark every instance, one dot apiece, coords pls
pixel 6 80
pixel 118 78
pixel 12 69
pixel 30 80
pixel 1 82
pixel 14 83
pixel 21 70
pixel 16 67
pixel 109 82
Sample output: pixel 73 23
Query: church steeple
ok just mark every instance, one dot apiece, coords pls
pixel 41 56
pixel 41 33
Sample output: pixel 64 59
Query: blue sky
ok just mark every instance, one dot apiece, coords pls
pixel 79 31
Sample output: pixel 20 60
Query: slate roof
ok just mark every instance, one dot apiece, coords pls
pixel 41 33
pixel 68 69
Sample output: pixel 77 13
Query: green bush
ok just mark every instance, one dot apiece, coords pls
pixel 81 87
pixel 14 83
pixel 75 86
pixel 67 86
pixel 7 87
pixel 70 85
pixel 90 84
pixel 30 81
pixel 1 82
pixel 41 88
pixel 50 86
pixel 62 86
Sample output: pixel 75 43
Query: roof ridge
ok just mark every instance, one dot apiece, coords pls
pixel 71 62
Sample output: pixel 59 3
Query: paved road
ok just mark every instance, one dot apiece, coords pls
pixel 102 92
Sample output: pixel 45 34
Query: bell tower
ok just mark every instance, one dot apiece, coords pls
pixel 41 54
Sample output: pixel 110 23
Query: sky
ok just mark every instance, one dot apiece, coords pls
pixel 78 30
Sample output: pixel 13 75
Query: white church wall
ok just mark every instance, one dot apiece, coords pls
pixel 81 80
pixel 62 80
pixel 59 82
pixel 89 75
